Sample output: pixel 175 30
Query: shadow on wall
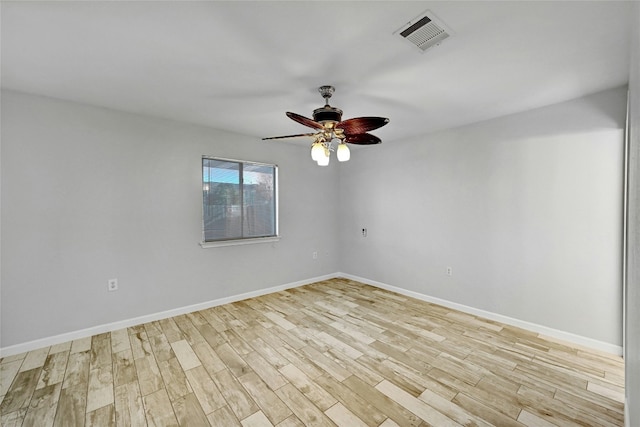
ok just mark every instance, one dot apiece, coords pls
pixel 599 111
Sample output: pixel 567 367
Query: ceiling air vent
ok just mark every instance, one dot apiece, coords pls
pixel 425 31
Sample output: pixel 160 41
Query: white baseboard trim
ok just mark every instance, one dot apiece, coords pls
pixel 543 330
pixel 83 333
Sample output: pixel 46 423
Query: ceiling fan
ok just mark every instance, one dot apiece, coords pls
pixel 330 129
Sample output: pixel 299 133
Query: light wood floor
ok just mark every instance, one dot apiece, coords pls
pixel 332 353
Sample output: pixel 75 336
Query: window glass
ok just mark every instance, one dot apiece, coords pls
pixel 239 199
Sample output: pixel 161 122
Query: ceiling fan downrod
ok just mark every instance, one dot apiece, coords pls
pixel 326 92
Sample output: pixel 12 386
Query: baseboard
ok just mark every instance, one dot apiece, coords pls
pixel 543 330
pixel 83 333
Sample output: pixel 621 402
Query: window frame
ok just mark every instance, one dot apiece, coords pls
pixel 240 240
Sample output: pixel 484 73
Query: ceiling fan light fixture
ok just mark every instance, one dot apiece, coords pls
pixel 343 153
pixel 317 151
pixel 324 159
pixel 332 133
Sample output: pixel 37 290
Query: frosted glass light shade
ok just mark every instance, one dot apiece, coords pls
pixel 317 151
pixel 343 153
pixel 324 158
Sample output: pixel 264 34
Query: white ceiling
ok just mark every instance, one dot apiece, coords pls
pixel 240 65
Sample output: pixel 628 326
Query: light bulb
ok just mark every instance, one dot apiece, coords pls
pixel 343 152
pixel 317 151
pixel 323 160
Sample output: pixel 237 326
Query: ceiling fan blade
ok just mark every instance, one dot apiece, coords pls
pixel 305 121
pixel 362 139
pixel 361 125
pixel 289 136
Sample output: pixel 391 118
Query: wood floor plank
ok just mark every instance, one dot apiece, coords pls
pixel 364 410
pixel 292 421
pixel 309 388
pixel 382 402
pixel 484 412
pixel 212 336
pixel 53 369
pixel 120 341
pixel 124 368
pixel 43 406
pixel 103 416
pixel 239 345
pixel 158 410
pixel 532 420
pixel 19 394
pixel 451 410
pixel 174 378
pixel 171 330
pixel 72 404
pixel 269 374
pixel 238 399
pixel 81 345
pixel 256 420
pixel 8 371
pixel 100 391
pixel 416 406
pixel 299 360
pixel 13 419
pixel 270 354
pixel 148 374
pixel 34 359
pixel 223 417
pixel 306 411
pixel 232 360
pixel 340 415
pixel 274 409
pixel 140 345
pixel 185 355
pixel 189 412
pixel 128 406
pixel 160 346
pixel 205 390
pixel 336 352
pixel 323 362
pixel 209 358
pixel 100 351
pixel 153 328
pixel 188 329
pixel 77 373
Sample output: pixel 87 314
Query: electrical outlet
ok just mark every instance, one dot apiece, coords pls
pixel 364 232
pixel 315 255
pixel 112 285
pixel 449 271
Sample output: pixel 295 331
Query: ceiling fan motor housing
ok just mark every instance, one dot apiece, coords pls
pixel 327 114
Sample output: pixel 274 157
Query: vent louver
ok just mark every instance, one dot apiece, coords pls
pixel 424 31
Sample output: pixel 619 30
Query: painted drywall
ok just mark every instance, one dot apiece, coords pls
pixel 90 194
pixel 632 300
pixel 526 210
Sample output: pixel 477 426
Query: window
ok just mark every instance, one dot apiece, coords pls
pixel 239 200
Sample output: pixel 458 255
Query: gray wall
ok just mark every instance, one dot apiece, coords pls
pixel 526 209
pixel 632 300
pixel 90 194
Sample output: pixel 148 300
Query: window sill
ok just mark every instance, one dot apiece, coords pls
pixel 221 243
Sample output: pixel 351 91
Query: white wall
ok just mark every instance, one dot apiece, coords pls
pixel 632 312
pixel 90 194
pixel 526 209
